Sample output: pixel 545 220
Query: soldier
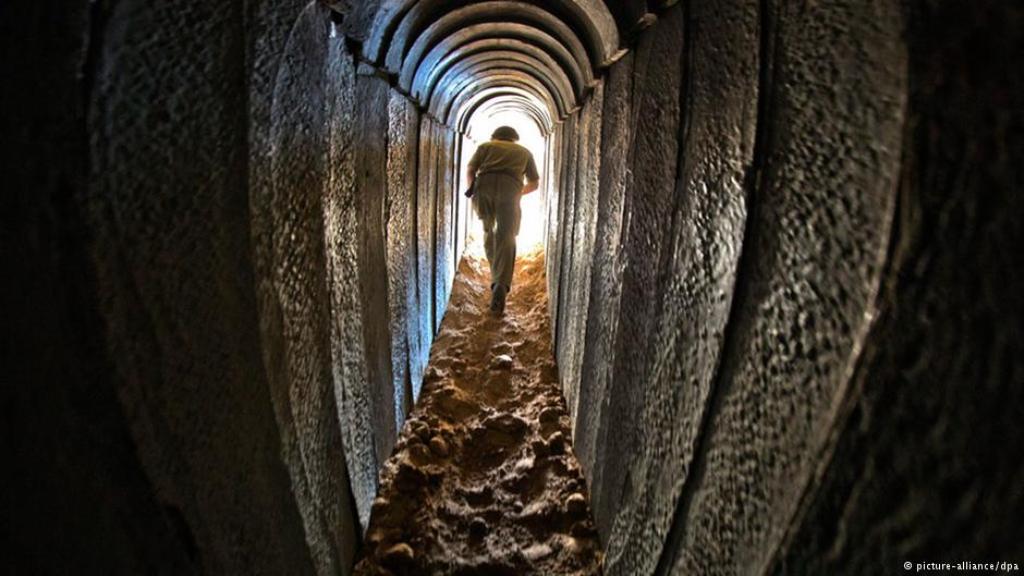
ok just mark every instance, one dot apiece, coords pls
pixel 496 177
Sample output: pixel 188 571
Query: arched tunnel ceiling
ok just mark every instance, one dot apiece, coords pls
pixel 495 16
pixel 443 54
pixel 524 100
pixel 450 112
pixel 493 64
pixel 501 104
pixel 489 37
pixel 405 18
pixel 427 76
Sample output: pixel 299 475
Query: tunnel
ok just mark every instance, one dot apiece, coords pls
pixel 783 258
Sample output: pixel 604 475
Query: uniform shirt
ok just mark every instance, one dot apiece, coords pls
pixel 505 157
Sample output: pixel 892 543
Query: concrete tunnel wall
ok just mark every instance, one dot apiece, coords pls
pixel 780 254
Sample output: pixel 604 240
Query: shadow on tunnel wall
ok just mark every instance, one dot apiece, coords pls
pixel 783 253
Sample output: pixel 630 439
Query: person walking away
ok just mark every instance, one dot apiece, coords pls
pixel 496 177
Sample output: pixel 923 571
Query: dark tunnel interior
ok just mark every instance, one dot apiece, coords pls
pixel 784 259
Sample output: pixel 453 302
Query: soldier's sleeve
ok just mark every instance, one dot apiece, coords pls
pixel 531 170
pixel 477 158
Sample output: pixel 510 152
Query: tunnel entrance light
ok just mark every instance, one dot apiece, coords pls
pixel 481 124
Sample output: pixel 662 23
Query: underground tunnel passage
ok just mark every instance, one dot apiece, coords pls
pixel 781 257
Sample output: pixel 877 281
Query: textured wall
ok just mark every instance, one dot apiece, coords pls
pixel 76 497
pixel 400 228
pixel 750 160
pixel 444 221
pixel 368 199
pixel 697 272
pixel 928 466
pixel 220 362
pixel 812 260
pixel 606 275
pixel 636 239
pixel 169 210
pixel 294 211
pixel 274 80
pixel 580 224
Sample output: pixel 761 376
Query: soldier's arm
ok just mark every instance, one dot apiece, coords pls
pixel 474 165
pixel 532 177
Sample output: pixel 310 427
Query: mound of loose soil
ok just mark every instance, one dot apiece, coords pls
pixel 483 479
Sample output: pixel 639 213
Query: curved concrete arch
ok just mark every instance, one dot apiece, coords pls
pixel 462 109
pixel 385 22
pixel 402 18
pixel 426 78
pixel 477 68
pixel 503 103
pixel 457 78
pixel 508 94
pixel 455 112
pixel 443 107
pixel 504 96
pixel 490 32
pixel 482 15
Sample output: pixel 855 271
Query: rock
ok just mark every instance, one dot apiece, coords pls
pixel 374 537
pixel 410 476
pixel 438 446
pixel 576 504
pixel 550 415
pixel 556 443
pixel 523 466
pixel 501 362
pixel 478 528
pixel 582 530
pixel 379 504
pixel 537 552
pixel 501 348
pixel 507 423
pixel 571 545
pixel 432 374
pixel 400 554
pixel 540 449
pixel 420 428
pixel 420 455
pixel 458 365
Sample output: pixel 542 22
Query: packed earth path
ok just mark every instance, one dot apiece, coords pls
pixel 483 479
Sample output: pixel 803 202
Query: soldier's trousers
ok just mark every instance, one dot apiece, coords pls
pixel 496 201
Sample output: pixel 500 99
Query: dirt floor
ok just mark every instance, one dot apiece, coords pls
pixel 483 479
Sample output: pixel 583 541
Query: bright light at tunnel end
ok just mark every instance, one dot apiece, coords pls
pixel 481 125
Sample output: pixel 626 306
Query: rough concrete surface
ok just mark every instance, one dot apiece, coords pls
pixel 168 207
pixel 76 496
pixel 584 222
pixel 810 271
pixel 268 62
pixel 606 278
pixel 926 469
pixel 698 271
pixel 369 196
pixel 648 206
pixel 299 197
pixel 400 230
